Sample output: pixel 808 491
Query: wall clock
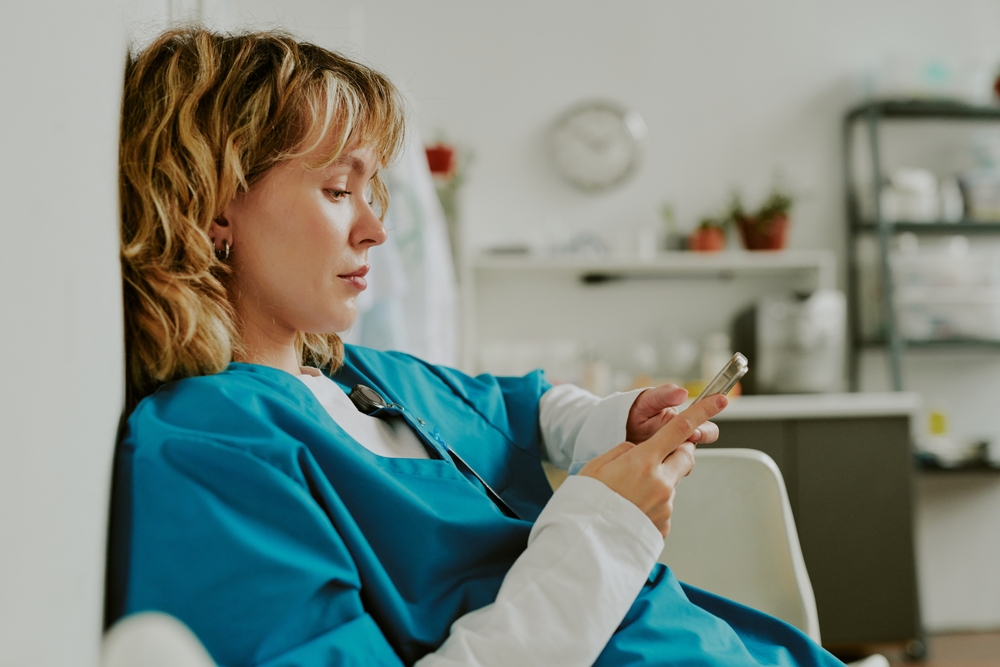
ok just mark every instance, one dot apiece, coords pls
pixel 597 145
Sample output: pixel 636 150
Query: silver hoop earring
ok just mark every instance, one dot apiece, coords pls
pixel 223 255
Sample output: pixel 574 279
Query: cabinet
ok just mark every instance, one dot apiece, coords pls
pixel 849 476
pixel 871 117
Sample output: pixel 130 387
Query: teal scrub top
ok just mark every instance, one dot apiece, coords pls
pixel 241 508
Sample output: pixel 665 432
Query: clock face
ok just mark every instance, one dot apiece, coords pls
pixel 597 145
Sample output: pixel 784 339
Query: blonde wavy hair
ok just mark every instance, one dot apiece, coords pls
pixel 204 116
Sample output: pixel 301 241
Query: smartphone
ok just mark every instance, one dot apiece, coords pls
pixel 727 377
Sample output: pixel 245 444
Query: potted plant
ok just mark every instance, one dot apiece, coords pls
pixel 709 236
pixel 767 229
pixel 448 165
pixel 441 160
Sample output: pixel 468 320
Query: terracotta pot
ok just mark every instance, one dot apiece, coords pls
pixel 707 239
pixel 441 159
pixel 770 235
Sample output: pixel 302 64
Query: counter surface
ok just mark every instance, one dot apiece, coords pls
pixel 822 406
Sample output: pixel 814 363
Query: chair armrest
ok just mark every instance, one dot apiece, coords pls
pixel 152 639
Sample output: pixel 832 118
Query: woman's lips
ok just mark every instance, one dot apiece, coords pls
pixel 356 278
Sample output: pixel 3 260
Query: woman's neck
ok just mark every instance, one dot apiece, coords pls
pixel 268 345
pixel 285 360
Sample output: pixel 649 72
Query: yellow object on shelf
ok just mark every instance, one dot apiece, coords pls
pixel 937 422
pixel 695 387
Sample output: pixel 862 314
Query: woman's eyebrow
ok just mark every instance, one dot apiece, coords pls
pixel 356 164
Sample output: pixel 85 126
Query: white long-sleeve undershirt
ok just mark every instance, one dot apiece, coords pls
pixel 589 552
pixel 576 425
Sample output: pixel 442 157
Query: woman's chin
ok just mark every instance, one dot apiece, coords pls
pixel 345 317
pixel 335 315
pixel 330 325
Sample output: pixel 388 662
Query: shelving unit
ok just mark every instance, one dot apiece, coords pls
pixel 948 344
pixel 728 264
pixel 978 467
pixel 968 227
pixel 872 114
pixel 577 288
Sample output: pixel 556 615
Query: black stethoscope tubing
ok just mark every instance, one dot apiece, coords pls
pixel 369 401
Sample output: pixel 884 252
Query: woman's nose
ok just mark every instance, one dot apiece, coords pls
pixel 369 229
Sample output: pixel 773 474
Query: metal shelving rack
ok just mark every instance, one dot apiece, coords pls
pixel 872 114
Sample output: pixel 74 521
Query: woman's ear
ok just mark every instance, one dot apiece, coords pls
pixel 221 233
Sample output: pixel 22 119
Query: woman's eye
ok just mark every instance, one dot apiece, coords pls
pixel 370 195
pixel 337 195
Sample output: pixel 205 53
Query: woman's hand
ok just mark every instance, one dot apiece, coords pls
pixel 653 408
pixel 647 474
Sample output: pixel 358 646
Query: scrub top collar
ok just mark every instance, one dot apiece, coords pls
pixel 429 435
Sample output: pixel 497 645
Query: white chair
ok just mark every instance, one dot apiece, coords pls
pixel 152 639
pixel 732 533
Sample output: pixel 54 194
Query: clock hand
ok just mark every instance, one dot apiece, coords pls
pixel 603 142
pixel 596 143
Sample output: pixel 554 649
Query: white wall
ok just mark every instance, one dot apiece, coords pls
pixel 60 345
pixel 730 90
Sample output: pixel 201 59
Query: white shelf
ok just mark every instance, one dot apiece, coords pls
pixel 667 264
pixel 587 298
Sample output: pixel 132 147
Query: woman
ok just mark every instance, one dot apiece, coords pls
pixel 315 505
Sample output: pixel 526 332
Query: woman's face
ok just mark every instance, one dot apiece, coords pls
pixel 300 241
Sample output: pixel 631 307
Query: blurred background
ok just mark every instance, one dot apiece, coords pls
pixel 622 194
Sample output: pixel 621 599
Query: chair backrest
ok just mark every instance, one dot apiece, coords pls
pixel 152 639
pixel 732 533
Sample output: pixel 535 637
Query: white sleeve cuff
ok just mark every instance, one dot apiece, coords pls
pixel 562 411
pixel 576 425
pixel 603 429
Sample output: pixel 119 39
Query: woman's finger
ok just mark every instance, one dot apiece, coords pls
pixel 656 399
pixel 679 464
pixel 679 429
pixel 706 433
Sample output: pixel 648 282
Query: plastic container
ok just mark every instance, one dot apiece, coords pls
pixel 982 194
pixel 936 269
pixel 942 313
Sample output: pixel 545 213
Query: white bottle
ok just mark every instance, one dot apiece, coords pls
pixel 597 377
pixel 715 354
pixel 952 202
